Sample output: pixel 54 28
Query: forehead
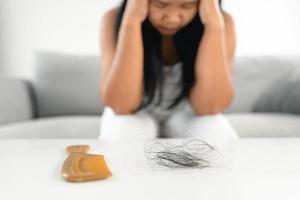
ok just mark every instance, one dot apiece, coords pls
pixel 177 1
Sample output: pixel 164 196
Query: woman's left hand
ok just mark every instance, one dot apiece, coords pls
pixel 210 13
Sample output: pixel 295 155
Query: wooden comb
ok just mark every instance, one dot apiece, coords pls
pixel 80 166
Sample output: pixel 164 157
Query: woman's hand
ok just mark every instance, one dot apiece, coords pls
pixel 137 9
pixel 210 13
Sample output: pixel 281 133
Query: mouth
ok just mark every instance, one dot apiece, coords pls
pixel 168 30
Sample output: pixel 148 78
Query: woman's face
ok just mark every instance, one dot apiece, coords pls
pixel 169 16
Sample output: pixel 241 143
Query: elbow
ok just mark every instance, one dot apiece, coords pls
pixel 213 108
pixel 122 110
pixel 204 107
pixel 207 110
pixel 122 103
pixel 119 107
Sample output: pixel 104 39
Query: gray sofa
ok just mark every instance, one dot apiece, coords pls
pixel 61 100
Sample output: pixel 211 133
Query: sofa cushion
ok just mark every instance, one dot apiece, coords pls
pixel 53 127
pixel 265 124
pixel 16 101
pixel 246 125
pixel 253 75
pixel 281 96
pixel 67 84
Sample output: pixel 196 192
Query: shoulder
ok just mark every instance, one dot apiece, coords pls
pixel 230 34
pixel 107 21
pixel 228 19
pixel 111 14
pixel 229 26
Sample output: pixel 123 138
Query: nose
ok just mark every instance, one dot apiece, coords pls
pixel 172 19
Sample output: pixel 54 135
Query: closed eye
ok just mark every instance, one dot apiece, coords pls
pixel 159 4
pixel 188 5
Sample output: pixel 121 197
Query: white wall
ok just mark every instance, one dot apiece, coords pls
pixel 266 26
pixel 60 25
pixel 263 27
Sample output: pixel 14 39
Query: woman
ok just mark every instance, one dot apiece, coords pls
pixel 166 69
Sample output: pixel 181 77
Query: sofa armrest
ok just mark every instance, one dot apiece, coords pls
pixel 16 100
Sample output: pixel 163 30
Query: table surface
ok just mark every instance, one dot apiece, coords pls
pixel 252 169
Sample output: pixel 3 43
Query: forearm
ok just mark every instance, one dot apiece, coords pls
pixel 123 87
pixel 212 91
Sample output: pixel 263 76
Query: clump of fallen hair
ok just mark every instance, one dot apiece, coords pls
pixel 191 153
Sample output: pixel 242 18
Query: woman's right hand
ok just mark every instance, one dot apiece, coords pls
pixel 137 9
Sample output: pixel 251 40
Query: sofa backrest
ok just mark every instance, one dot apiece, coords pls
pixel 67 84
pixel 16 100
pixel 254 75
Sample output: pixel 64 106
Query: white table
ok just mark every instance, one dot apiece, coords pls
pixel 254 169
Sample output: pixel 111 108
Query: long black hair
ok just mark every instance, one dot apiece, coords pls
pixel 186 42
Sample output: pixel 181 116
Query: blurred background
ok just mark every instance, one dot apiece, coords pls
pixel 264 27
pixel 60 100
